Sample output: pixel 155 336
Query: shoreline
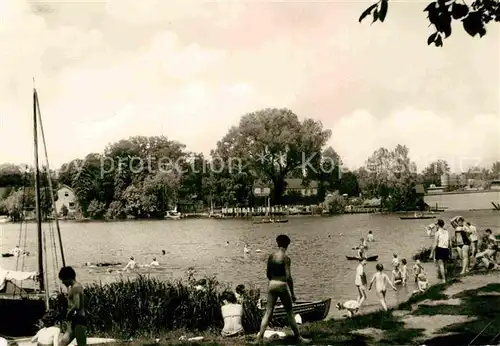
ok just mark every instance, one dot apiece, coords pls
pixel 406 323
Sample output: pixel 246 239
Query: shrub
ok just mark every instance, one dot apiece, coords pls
pixel 148 306
pixel 335 203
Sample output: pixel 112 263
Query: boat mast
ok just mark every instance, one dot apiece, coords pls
pixel 37 195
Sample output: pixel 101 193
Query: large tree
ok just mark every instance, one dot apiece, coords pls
pixel 391 175
pixel 442 13
pixel 272 143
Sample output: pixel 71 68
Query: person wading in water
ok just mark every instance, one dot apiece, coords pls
pixel 280 286
pixel 441 250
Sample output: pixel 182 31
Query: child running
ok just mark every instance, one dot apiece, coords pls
pixel 360 281
pixel 381 280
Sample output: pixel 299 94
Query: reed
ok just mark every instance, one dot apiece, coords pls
pixel 148 307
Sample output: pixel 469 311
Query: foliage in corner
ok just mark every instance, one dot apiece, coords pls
pixel 442 13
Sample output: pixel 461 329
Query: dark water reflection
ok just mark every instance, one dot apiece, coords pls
pixel 318 250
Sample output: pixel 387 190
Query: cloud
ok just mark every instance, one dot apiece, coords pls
pixel 188 70
pixel 429 136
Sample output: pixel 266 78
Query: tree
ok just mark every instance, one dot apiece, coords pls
pixel 272 143
pixel 442 13
pixel 432 173
pixel 328 174
pixel 335 203
pixel 349 184
pixel 391 176
pixel 495 170
pixel 12 175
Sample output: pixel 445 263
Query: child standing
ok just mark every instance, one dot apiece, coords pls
pixel 404 272
pixel 370 236
pixel 418 269
pixel 360 281
pixel 49 334
pixel 397 278
pixel 381 280
pixel 395 260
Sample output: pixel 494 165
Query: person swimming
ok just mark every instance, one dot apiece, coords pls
pixel 155 263
pixel 163 252
pixel 381 280
pixel 130 265
pixel 280 286
pixel 370 237
pixel 246 249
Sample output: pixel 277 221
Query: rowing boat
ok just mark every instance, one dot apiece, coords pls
pixel 417 217
pixel 308 311
pixel 369 259
pixel 270 221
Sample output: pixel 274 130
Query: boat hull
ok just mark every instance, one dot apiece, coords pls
pixel 369 259
pixel 19 316
pixel 270 221
pixel 417 218
pixel 308 311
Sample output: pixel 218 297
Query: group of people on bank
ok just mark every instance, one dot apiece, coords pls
pixel 466 242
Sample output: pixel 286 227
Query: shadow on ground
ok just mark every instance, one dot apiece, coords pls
pixel 483 304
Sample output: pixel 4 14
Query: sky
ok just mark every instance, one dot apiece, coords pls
pixel 108 70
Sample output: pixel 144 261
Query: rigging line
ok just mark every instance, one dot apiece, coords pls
pixel 22 215
pixel 50 180
pixel 46 274
pixel 55 263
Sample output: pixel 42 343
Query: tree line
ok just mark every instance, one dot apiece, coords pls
pixel 144 176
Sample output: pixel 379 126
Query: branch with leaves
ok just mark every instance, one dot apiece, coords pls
pixel 442 13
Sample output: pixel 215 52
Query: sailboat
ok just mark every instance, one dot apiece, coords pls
pixel 22 307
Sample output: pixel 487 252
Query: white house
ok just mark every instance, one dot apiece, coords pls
pixel 65 196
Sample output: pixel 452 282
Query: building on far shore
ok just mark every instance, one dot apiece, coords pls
pixel 65 196
pixel 495 185
pixel 435 189
pixel 295 186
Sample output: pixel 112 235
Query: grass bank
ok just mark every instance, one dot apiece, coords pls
pixel 462 312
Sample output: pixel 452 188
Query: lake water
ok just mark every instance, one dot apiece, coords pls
pixel 466 201
pixel 317 250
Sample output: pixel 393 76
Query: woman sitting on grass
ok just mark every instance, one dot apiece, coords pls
pixel 49 334
pixel 232 313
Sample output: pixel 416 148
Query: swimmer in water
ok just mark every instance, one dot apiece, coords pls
pixel 163 252
pixel 131 264
pixel 381 280
pixel 155 263
pixel 280 286
pixel 246 249
pixel 370 236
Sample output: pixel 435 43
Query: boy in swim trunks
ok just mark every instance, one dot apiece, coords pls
pixel 381 280
pixel 76 309
pixel 418 269
pixel 360 281
pixel 280 286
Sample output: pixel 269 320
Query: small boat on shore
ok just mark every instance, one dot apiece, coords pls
pixel 271 221
pixel 308 311
pixel 421 217
pixel 369 258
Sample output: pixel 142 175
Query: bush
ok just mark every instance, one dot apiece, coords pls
pixel 148 306
pixel 335 204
